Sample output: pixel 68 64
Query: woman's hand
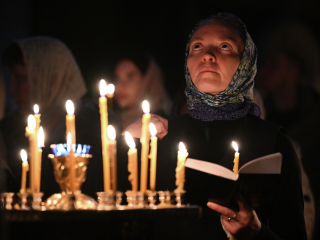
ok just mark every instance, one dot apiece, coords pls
pixel 244 224
pixel 160 123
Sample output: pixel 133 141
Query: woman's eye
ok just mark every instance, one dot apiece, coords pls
pixel 225 47
pixel 196 46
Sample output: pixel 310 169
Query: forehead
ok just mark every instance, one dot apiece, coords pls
pixel 126 66
pixel 218 29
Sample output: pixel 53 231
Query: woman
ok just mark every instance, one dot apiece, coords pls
pixel 138 77
pixel 220 68
pixel 43 71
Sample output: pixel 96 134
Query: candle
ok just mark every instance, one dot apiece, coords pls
pixel 104 134
pixel 113 156
pixel 144 145
pixel 31 133
pixel 153 156
pixel 39 160
pixel 25 169
pixel 236 158
pixel 70 121
pixel 132 162
pixel 110 94
pixel 72 170
pixel 180 170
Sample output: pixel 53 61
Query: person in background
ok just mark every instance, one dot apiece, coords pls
pixel 43 71
pixel 138 77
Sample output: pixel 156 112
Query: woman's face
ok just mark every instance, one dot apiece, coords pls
pixel 128 84
pixel 215 52
pixel 19 87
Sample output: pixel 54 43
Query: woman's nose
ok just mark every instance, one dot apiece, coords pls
pixel 208 56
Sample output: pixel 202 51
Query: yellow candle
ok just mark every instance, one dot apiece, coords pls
pixel 144 146
pixel 132 162
pixel 31 134
pixel 153 156
pixel 104 135
pixel 39 159
pixel 180 170
pixel 71 163
pixel 113 156
pixel 236 158
pixel 70 121
pixel 25 169
pixel 110 94
pixel 36 154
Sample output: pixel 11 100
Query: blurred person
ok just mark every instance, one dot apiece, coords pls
pixel 289 80
pixel 138 77
pixel 43 71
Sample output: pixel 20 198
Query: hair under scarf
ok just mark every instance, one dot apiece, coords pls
pixel 236 100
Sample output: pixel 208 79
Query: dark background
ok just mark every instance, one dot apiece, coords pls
pixel 98 31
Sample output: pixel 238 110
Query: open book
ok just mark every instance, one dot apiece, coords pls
pixel 256 182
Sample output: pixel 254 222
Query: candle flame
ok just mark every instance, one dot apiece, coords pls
pixel 153 130
pixel 40 138
pixel 110 89
pixel 70 107
pixel 31 122
pixel 182 147
pixel 103 88
pixel 235 146
pixel 23 154
pixel 145 107
pixel 111 133
pixel 130 140
pixel 36 109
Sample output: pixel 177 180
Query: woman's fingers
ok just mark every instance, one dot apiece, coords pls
pixel 220 209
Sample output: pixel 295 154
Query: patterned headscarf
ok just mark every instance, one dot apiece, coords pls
pixel 236 100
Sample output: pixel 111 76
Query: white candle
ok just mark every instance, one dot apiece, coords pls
pixel 144 145
pixel 31 134
pixel 236 158
pixel 70 121
pixel 25 169
pixel 113 156
pixel 153 156
pixel 132 162
pixel 180 170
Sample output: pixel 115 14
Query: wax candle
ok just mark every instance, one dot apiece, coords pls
pixel 153 156
pixel 39 159
pixel 70 121
pixel 180 170
pixel 31 134
pixel 110 94
pixel 25 169
pixel 72 170
pixel 144 145
pixel 236 158
pixel 104 135
pixel 132 162
pixel 113 156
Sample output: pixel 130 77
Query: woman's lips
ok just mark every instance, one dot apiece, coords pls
pixel 121 96
pixel 207 70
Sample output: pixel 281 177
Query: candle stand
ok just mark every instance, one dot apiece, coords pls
pixel 36 200
pixel 23 196
pixel 106 200
pixel 6 198
pixel 179 195
pixel 152 199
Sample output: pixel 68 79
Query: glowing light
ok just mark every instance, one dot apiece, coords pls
pixel 182 147
pixel 130 140
pixel 110 89
pixel 36 109
pixel 31 122
pixel 153 130
pixel 70 107
pixel 40 138
pixel 145 107
pixel 111 133
pixel 235 146
pixel 103 88
pixel 23 155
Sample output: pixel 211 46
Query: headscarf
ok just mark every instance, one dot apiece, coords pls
pixel 2 97
pixel 53 74
pixel 236 100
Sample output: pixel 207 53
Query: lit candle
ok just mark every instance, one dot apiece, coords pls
pixel 236 158
pixel 39 160
pixel 144 145
pixel 113 156
pixel 72 170
pixel 132 162
pixel 25 169
pixel 110 94
pixel 70 121
pixel 153 156
pixel 180 170
pixel 31 134
pixel 104 134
